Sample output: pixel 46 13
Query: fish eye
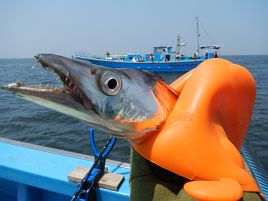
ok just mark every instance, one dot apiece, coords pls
pixel 110 83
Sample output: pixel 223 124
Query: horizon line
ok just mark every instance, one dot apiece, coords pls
pixel 266 54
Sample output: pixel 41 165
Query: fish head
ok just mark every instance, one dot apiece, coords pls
pixel 126 103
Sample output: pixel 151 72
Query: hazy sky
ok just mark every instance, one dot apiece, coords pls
pixel 28 27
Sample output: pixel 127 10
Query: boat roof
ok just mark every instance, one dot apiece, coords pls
pixel 162 47
pixel 215 47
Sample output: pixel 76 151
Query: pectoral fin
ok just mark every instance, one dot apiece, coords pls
pixel 224 190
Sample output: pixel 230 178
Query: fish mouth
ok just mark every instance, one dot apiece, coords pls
pixel 69 88
pixel 68 99
pixel 69 85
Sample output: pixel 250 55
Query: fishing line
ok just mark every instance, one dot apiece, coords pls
pixel 34 65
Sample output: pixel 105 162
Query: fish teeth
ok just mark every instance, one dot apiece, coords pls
pixel 34 65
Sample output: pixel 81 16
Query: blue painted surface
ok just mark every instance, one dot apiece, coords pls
pixel 30 174
pixel 161 67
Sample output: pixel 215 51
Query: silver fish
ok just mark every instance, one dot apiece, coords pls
pixel 124 102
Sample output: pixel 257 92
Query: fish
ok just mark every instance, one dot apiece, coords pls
pixel 126 103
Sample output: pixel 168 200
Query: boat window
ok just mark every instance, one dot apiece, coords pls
pixel 160 50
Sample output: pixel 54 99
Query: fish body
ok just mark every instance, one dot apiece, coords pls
pixel 126 103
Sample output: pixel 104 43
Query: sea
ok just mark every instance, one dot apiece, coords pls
pixel 27 122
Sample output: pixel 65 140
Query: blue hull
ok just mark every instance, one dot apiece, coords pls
pixel 30 173
pixel 156 67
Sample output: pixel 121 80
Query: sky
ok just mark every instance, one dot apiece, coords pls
pixel 65 27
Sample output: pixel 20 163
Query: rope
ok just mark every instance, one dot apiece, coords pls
pixel 256 167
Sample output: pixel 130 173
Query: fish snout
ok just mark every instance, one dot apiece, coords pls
pixel 37 56
pixel 44 59
pixel 40 57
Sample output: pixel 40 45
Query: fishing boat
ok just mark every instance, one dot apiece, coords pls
pixel 162 60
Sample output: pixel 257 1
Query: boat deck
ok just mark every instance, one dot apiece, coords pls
pixel 31 172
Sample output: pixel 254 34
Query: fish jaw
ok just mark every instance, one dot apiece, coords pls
pixel 53 98
pixel 59 100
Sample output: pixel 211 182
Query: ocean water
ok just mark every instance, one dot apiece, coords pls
pixel 25 121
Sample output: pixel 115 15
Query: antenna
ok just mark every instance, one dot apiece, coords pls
pixel 197 35
pixel 178 43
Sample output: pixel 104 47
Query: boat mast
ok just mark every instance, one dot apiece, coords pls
pixel 178 43
pixel 197 35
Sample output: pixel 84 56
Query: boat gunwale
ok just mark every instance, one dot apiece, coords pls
pixel 138 62
pixel 61 152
